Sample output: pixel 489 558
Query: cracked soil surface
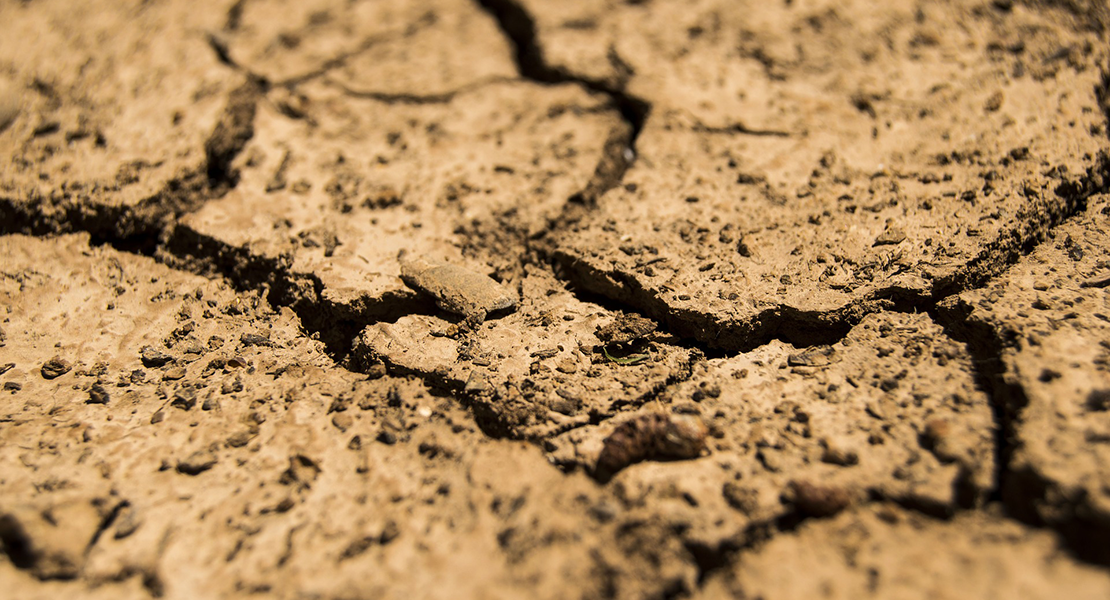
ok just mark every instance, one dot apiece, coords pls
pixel 555 299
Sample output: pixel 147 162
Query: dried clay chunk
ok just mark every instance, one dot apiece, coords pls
pixel 457 290
pixel 651 436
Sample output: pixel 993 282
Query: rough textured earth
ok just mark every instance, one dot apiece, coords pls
pixel 518 298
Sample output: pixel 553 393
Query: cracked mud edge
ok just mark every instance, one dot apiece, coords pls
pixel 496 425
pixel 711 559
pixel 334 325
pixel 219 45
pixel 519 28
pixel 137 228
pixel 1021 491
pixel 809 328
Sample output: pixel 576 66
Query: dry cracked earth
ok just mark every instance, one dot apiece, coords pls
pixel 575 299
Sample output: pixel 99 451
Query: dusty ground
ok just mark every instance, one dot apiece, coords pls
pixel 521 298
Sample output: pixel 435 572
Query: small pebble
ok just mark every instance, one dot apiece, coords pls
pixel 254 339
pixel 567 366
pixel 342 421
pixel 819 500
pixel 127 522
pixel 376 371
pixel 230 387
pixel 239 439
pixel 184 398
pixel 890 236
pixel 819 356
pixel 197 462
pixel 55 367
pixel 836 453
pixel 97 395
pixel 456 289
pixel 153 357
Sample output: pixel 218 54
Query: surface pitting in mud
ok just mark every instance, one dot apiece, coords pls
pixel 509 298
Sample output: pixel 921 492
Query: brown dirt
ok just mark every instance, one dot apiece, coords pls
pixel 769 300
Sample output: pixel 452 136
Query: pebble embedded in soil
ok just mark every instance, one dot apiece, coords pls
pixel 197 462
pixel 98 394
pixel 818 500
pixel 55 367
pixel 153 358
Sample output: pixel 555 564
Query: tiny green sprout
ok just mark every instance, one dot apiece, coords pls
pixel 631 359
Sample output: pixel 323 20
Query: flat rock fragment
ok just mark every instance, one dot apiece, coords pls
pixel 887 552
pixel 456 289
pixel 1049 326
pixel 55 367
pixel 785 185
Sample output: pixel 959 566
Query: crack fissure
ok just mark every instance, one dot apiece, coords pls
pixel 519 27
pixel 138 228
pixel 334 325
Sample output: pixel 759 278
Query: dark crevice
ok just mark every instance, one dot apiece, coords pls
pixel 1102 95
pixel 153 584
pixel 223 54
pixel 710 559
pixel 1021 490
pixel 137 228
pixel 105 523
pixel 334 325
pixel 220 45
pixel 713 559
pixel 520 29
pixel 1083 528
pixel 1037 221
pixel 740 129
pixel 235 15
pixel 16 544
pixel 1093 15
pixel 710 334
pixel 809 328
pixel 484 405
pixel 231 135
pixel 341 59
